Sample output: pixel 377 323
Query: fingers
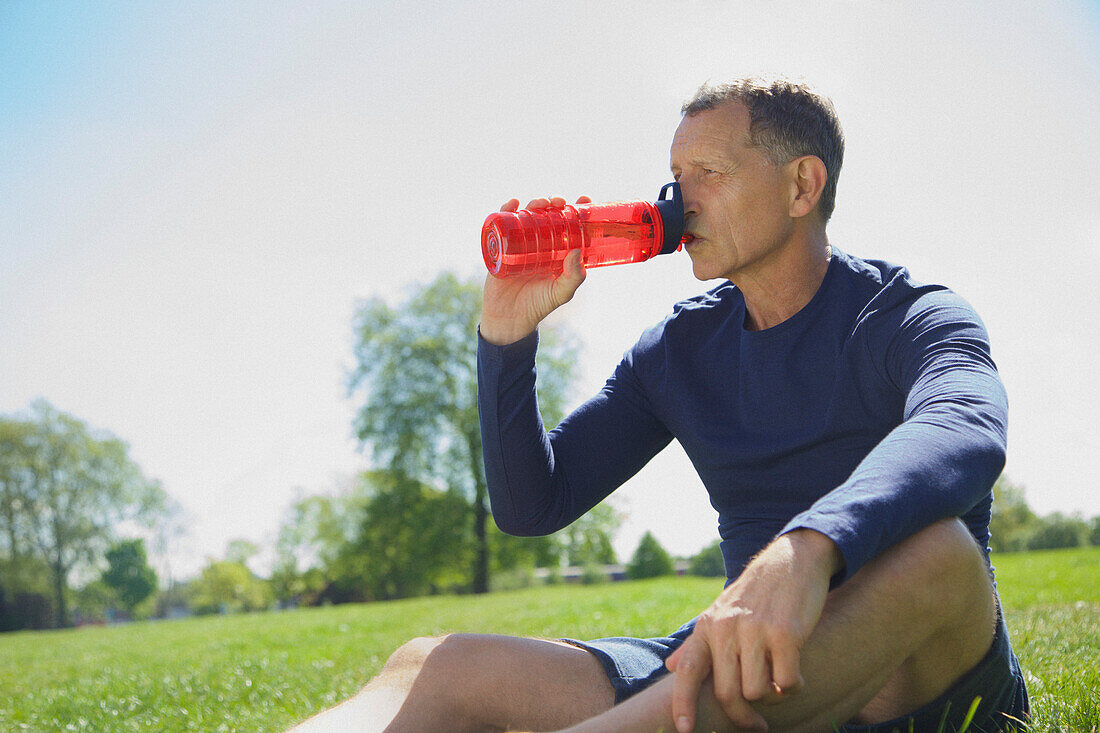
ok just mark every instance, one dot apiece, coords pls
pixel 692 668
pixel 786 675
pixel 510 205
pixel 729 689
pixel 734 677
pixel 755 675
pixel 670 663
pixel 572 275
pixel 554 202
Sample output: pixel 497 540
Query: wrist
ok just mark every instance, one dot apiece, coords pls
pixel 811 546
pixel 503 333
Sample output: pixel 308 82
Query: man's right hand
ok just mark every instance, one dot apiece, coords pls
pixel 513 307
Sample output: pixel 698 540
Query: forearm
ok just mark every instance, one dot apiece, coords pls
pixel 518 458
pixel 539 482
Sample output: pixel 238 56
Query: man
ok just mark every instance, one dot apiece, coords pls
pixel 848 423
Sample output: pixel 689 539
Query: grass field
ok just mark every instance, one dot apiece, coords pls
pixel 262 672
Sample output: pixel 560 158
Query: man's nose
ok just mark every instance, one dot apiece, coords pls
pixel 691 203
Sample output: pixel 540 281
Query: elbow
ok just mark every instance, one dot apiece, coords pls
pixel 984 459
pixel 990 456
pixel 985 427
pixel 510 526
pixel 511 523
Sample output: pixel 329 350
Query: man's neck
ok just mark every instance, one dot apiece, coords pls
pixel 782 287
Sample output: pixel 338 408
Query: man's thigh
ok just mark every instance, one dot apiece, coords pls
pixel 547 682
pixel 499 681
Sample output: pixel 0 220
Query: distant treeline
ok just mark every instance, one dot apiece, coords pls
pixel 1015 527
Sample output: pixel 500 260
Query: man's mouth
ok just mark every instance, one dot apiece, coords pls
pixel 687 239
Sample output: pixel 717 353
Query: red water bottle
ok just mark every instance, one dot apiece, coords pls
pixel 536 242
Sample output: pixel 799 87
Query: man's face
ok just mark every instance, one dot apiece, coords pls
pixel 736 202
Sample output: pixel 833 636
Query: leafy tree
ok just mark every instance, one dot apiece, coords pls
pixel 311 538
pixel 650 560
pixel 1012 522
pixel 66 487
pixel 1058 530
pixel 94 602
pixel 241 551
pixel 709 562
pixel 416 375
pixel 1094 531
pixel 128 573
pixel 170 527
pixel 25 611
pixel 508 553
pixel 20 566
pixel 587 541
pixel 408 542
pixel 228 587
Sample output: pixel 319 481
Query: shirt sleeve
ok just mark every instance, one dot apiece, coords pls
pixel 949 448
pixel 540 482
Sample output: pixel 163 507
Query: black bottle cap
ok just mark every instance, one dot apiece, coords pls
pixel 672 217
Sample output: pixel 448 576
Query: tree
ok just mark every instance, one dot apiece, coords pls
pixel 1057 530
pixel 313 534
pixel 20 568
pixel 587 541
pixel 416 374
pixel 310 541
pixel 128 573
pixel 1012 522
pixel 241 551
pixel 408 542
pixel 650 560
pixel 225 586
pixel 709 562
pixel 508 552
pixel 72 487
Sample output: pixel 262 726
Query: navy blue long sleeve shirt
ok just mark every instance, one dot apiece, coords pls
pixel 874 411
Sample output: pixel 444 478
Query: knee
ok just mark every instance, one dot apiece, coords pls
pixel 450 652
pixel 413 654
pixel 948 547
pixel 950 565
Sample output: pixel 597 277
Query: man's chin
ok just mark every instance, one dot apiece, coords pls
pixel 698 266
pixel 704 273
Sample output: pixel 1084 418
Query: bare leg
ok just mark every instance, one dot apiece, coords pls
pixel 891 639
pixel 475 683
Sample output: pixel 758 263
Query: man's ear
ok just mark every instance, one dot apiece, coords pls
pixel 807 183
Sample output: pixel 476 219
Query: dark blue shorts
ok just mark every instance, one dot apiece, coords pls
pixel 634 664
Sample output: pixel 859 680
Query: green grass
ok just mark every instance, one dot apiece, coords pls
pixel 1052 606
pixel 266 671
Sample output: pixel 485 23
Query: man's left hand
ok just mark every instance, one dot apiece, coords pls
pixel 751 637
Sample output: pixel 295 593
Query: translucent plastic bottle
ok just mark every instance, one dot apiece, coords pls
pixel 536 242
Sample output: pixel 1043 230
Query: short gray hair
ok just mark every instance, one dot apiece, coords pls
pixel 786 121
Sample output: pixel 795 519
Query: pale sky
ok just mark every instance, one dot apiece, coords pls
pixel 193 196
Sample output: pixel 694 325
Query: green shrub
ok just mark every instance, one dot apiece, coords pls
pixel 1058 530
pixel 709 562
pixel 650 560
